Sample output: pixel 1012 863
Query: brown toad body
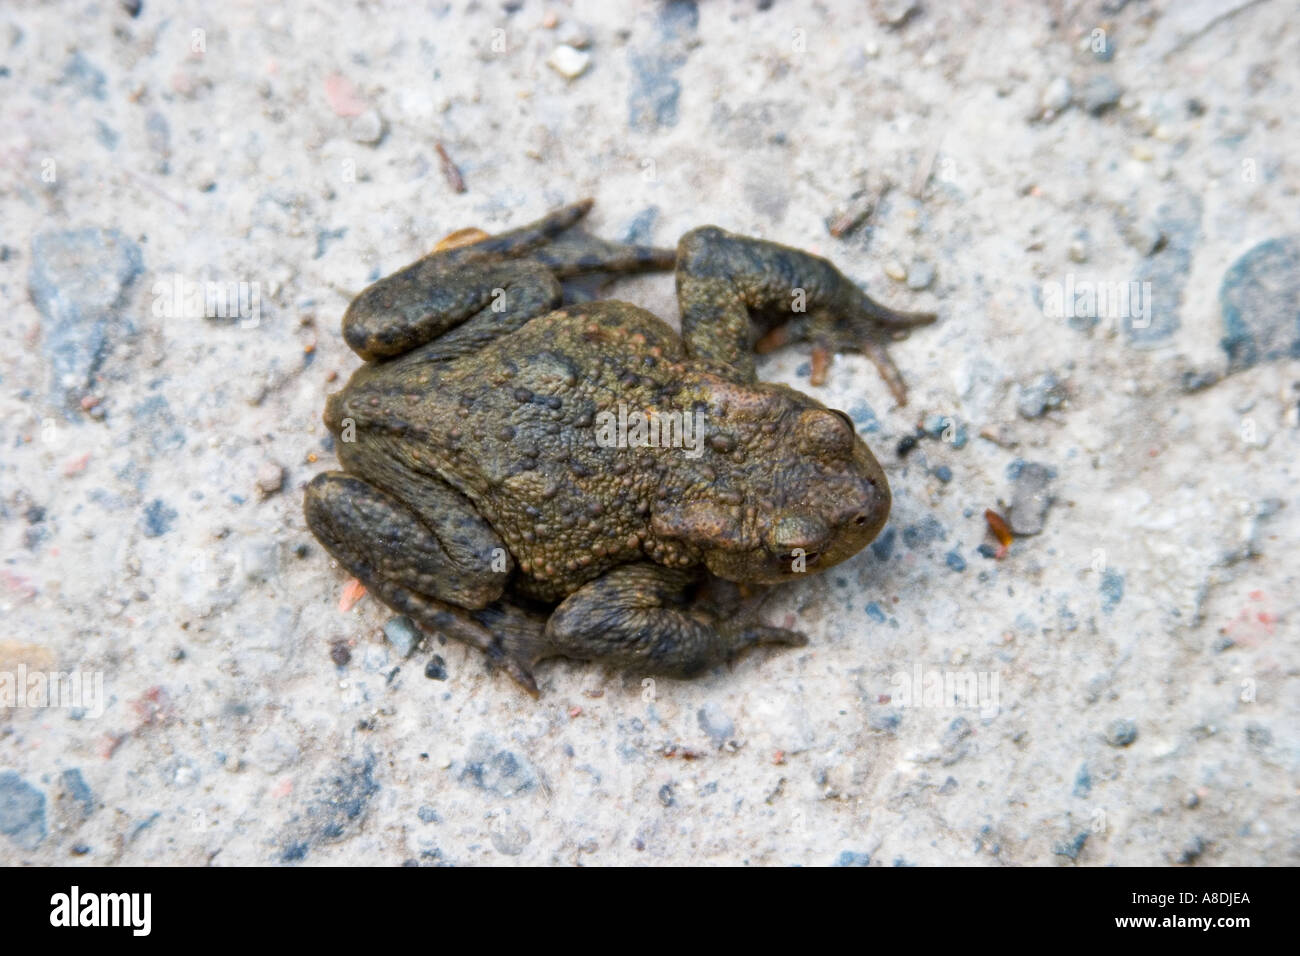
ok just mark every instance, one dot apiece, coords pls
pixel 503 455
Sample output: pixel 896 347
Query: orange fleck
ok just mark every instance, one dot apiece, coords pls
pixel 1001 530
pixel 353 592
pixel 461 237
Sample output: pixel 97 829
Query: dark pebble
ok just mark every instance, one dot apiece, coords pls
pixel 1260 301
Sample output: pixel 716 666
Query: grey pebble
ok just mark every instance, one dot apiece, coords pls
pixel 497 771
pixel 1099 94
pixel 1260 300
pixel 79 280
pixel 1043 395
pixel 511 840
pixel 401 633
pixel 22 811
pixel 1121 732
pixel 74 784
pixel 158 519
pixel 369 128
pixel 1031 498
pixel 920 274
pixel 1192 850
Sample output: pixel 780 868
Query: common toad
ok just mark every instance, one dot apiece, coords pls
pixel 544 479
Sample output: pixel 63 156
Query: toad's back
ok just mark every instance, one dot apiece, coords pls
pixel 513 426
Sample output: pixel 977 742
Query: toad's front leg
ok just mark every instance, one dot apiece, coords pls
pixel 638 616
pixel 455 300
pixel 728 284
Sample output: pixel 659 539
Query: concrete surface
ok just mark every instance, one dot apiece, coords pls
pixel 1132 654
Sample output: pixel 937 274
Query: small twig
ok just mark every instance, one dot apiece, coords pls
pixel 449 170
pixel 141 181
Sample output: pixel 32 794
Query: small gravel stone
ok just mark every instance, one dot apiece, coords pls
pixel 919 275
pixel 895 270
pixel 1030 498
pixel 1121 732
pixel 568 62
pixel 1192 850
pixel 401 633
pixel 1057 95
pixel 1100 94
pixel 1040 397
pixel 369 128
pixel 436 669
pixel 270 478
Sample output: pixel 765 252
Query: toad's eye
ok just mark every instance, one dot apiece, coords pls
pixel 825 434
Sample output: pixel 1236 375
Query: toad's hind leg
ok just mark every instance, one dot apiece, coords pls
pixel 638 616
pixel 728 283
pixel 444 571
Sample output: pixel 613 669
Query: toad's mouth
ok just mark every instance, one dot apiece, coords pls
pixel 797 561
